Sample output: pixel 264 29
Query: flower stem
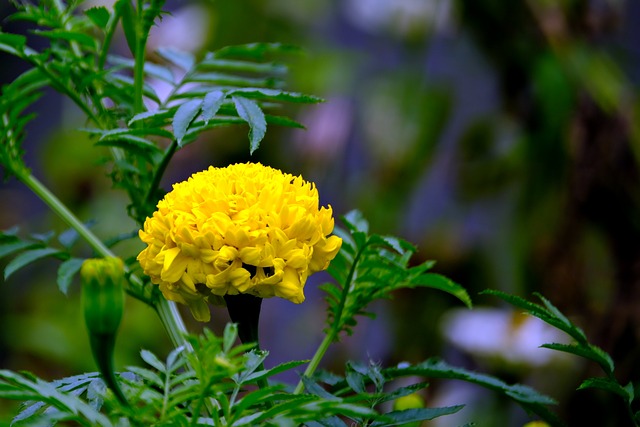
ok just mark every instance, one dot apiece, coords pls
pixel 172 322
pixel 167 311
pixel 315 361
pixel 67 216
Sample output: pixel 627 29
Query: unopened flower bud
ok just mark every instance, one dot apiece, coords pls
pixel 103 294
pixel 103 304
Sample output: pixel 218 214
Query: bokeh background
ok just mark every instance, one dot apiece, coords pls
pixel 500 137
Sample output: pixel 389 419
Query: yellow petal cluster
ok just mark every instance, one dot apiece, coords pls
pixel 246 228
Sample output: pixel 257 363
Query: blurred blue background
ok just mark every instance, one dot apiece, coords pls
pixel 501 138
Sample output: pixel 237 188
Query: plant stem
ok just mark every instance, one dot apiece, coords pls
pixel 138 68
pixel 317 357
pixel 167 311
pixel 67 216
pixel 336 326
pixel 172 321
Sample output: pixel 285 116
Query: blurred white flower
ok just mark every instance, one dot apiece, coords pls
pixel 185 29
pixel 504 335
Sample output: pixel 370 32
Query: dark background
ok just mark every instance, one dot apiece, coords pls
pixel 500 137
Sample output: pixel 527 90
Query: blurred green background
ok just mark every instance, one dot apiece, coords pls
pixel 500 137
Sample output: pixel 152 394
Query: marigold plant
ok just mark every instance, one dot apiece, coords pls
pixel 246 228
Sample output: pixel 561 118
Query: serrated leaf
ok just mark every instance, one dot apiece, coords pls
pixel 275 370
pixel 152 360
pixel 183 118
pixel 27 258
pixel 436 281
pixel 70 36
pixel 156 114
pixel 66 271
pixel 99 15
pixel 13 247
pixel 589 351
pixel 12 43
pixel 147 375
pixel 211 104
pixel 397 418
pixel 255 50
pixel 606 384
pixel 212 63
pixel 278 95
pixel 128 20
pixel 250 112
pixel 314 388
pixel 133 143
pixel 355 221
pixel 182 59
pixel 229 336
pixel 436 368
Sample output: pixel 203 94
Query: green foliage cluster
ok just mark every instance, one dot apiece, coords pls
pixel 208 380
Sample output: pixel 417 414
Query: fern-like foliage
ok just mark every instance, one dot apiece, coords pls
pixel 214 385
pixel 231 86
pixel 581 347
pixel 15 98
pixel 370 267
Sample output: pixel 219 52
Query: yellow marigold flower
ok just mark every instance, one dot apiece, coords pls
pixel 246 228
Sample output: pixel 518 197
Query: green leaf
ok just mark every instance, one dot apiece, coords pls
pixel 181 59
pixel 606 384
pixel 275 370
pixel 229 336
pixel 436 281
pixel 152 360
pixel 211 104
pixel 12 43
pixel 541 313
pixel 66 271
pixel 277 95
pixel 80 38
pixel 253 115
pixel 132 143
pixel 13 247
pixel 355 221
pixel 183 118
pixel 159 114
pixel 256 51
pixel 128 13
pixel 436 368
pixel 99 15
pixel 236 66
pixel 397 418
pixel 27 258
pixel 589 351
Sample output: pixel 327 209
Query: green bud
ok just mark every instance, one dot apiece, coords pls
pixel 103 304
pixel 411 401
pixel 103 294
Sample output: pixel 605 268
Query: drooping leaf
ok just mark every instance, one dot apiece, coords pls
pixel 27 258
pixel 607 384
pixel 437 281
pixel 397 418
pixel 128 13
pixel 16 246
pixel 589 351
pixel 66 271
pixel 211 104
pixel 250 112
pixel 183 118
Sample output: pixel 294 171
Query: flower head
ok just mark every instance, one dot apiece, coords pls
pixel 246 228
